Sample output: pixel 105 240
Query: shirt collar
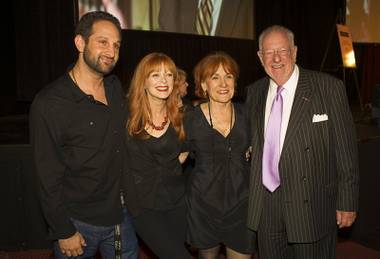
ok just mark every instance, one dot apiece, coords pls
pixel 78 95
pixel 290 85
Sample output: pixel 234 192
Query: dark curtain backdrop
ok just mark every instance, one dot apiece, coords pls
pixel 368 56
pixel 42 33
pixel 44 48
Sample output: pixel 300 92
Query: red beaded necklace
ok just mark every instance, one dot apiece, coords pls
pixel 163 124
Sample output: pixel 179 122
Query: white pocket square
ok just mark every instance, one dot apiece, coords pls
pixel 320 117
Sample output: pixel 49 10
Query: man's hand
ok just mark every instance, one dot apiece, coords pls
pixel 345 218
pixel 72 246
pixel 182 157
pixel 248 153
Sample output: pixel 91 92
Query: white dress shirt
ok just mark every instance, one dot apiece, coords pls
pixel 287 96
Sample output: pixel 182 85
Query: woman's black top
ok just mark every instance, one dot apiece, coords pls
pixel 221 174
pixel 153 178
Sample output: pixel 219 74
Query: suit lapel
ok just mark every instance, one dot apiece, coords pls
pixel 261 113
pixel 188 9
pixel 302 101
pixel 228 12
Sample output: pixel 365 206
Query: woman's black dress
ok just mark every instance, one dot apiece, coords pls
pixel 155 189
pixel 218 188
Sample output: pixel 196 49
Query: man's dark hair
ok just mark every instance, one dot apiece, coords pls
pixel 84 26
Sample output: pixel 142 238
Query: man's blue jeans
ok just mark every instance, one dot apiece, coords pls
pixel 103 239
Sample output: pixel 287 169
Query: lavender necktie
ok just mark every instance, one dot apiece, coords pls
pixel 271 153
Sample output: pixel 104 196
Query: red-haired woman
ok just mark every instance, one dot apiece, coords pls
pixel 154 183
pixel 216 131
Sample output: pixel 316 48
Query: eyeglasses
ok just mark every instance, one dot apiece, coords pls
pixel 270 52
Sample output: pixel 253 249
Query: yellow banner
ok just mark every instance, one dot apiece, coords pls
pixel 346 47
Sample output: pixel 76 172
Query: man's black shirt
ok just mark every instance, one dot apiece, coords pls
pixel 78 148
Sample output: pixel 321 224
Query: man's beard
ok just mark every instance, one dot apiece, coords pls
pixel 95 64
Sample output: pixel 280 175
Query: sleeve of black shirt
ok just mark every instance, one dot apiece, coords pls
pixel 45 135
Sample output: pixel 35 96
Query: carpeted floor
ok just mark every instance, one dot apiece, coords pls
pixel 346 249
pixel 351 250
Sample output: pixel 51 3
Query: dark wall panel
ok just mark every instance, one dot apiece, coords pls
pixel 22 225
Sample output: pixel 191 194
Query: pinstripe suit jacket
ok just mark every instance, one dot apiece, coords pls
pixel 318 164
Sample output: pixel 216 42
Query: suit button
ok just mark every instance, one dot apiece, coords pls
pixel 307 149
pixel 306 201
pixel 304 178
